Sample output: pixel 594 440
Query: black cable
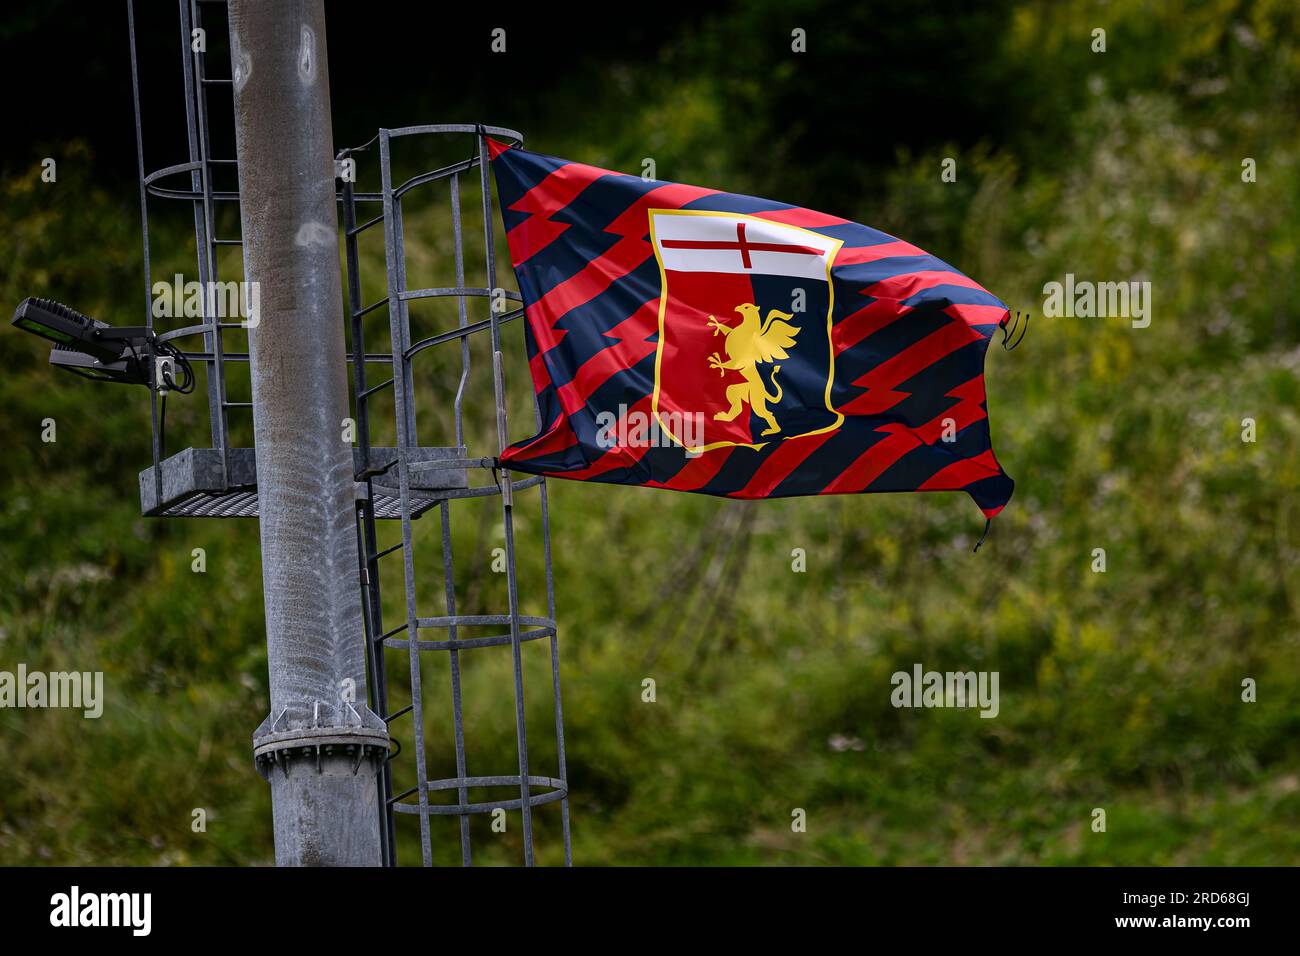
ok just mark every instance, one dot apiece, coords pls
pixel 169 384
pixel 1009 332
pixel 359 149
pixel 135 357
pixel 181 362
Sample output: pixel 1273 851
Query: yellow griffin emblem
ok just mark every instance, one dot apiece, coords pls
pixel 751 342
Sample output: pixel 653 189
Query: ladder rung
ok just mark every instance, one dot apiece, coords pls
pixel 398 713
pixel 385 552
pixel 236 404
pixel 227 242
pixel 375 388
pixel 370 308
pixel 357 230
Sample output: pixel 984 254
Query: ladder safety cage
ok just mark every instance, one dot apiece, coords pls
pixel 475 315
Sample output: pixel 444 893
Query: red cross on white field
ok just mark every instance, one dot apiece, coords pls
pixel 744 246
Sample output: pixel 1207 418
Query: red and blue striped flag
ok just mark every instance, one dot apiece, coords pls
pixel 696 340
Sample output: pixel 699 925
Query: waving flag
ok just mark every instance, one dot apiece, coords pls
pixel 696 340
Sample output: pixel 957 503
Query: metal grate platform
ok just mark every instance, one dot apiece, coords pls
pixel 204 483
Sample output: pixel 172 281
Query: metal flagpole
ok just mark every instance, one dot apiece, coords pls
pixel 320 746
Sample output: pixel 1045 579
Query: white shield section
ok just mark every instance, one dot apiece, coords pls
pixel 690 241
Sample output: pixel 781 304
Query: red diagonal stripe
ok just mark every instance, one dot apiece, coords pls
pixel 555 439
pixel 978 314
pixel 554 193
pixel 883 250
pixel 631 347
pixel 872 463
pixel 914 359
pixel 868 320
pixel 545 335
pixel 778 465
pixel 961 473
pixel 540 373
pixel 635 219
pixel 909 283
pixel 587 283
pixel 618 456
pixel 805 218
pixel 697 472
pixel 966 412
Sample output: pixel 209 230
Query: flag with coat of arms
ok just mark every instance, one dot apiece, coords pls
pixel 689 339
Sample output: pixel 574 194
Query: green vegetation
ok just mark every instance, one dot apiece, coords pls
pixel 1119 690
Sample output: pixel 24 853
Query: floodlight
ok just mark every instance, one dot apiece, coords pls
pixel 67 328
pixel 96 350
pixel 130 370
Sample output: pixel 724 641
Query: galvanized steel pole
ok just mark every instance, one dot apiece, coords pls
pixel 320 746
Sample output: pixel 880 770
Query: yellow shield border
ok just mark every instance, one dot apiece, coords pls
pixel 663 306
